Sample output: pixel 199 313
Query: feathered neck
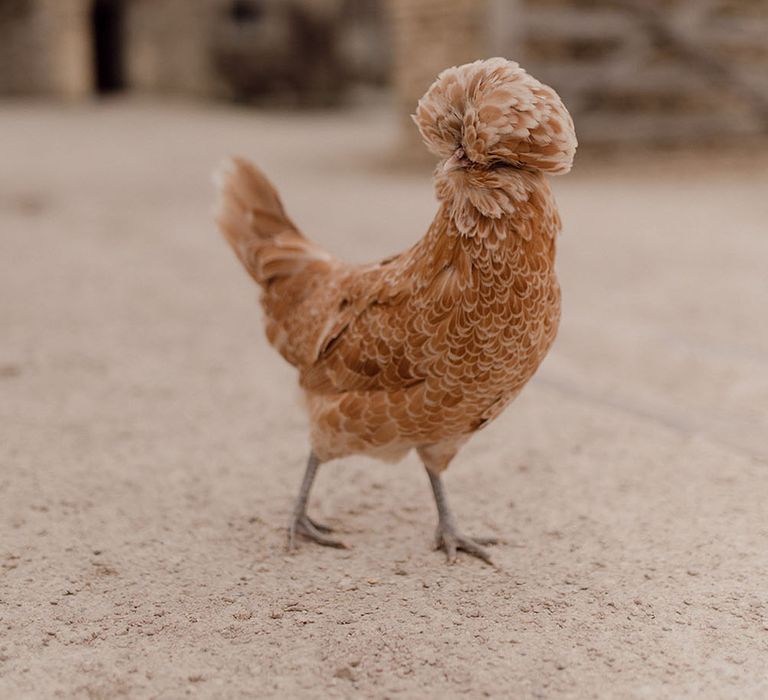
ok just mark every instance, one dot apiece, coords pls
pixel 492 202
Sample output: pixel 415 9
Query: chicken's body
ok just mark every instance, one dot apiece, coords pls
pixel 423 349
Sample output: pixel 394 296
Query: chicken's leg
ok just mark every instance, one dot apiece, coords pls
pixel 301 523
pixel 448 537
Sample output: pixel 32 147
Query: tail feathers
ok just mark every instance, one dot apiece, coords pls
pixel 252 219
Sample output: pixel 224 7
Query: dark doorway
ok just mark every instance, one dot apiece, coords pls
pixel 244 11
pixel 107 22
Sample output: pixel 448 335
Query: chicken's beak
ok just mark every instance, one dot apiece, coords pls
pixel 456 162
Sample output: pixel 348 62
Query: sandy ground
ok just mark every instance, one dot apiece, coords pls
pixel 151 442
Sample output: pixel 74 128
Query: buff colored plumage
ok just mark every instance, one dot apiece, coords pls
pixel 425 348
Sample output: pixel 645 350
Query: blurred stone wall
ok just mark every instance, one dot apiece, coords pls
pixel 288 52
pixel 428 36
pixel 651 71
pixel 366 41
pixel 168 45
pixel 45 48
pixel 244 49
pixel 664 71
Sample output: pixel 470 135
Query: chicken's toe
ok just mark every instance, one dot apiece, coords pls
pixel 451 542
pixel 319 526
pixel 304 525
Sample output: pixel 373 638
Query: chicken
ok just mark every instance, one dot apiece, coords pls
pixel 423 349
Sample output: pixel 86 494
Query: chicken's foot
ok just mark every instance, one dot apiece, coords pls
pixel 448 538
pixel 301 523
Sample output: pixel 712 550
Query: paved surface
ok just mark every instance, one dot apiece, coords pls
pixel 151 442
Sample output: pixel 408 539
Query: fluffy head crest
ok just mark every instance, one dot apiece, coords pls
pixel 496 113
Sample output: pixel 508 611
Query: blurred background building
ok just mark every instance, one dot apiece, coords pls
pixel 659 71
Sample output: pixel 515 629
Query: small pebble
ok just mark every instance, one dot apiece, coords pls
pixel 345 673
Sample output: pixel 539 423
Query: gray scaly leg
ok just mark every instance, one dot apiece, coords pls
pixel 301 523
pixel 448 537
